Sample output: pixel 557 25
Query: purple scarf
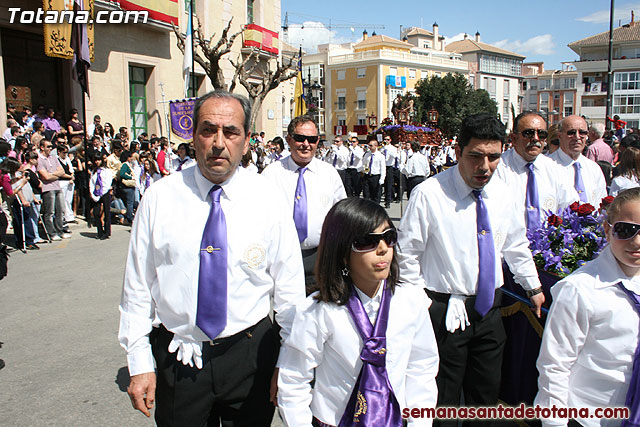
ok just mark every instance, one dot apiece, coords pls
pixel 372 402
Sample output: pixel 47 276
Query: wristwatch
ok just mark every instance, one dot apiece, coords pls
pixel 533 292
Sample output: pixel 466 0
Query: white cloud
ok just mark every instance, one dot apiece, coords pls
pixel 311 34
pixel 459 36
pixel 538 45
pixel 622 13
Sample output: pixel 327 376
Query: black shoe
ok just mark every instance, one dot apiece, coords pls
pixel 105 237
pixel 33 247
pixel 1 363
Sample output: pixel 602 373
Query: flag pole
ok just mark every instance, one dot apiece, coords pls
pixel 193 56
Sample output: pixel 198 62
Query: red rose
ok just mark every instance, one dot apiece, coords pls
pixel 606 202
pixel 574 206
pixel 585 209
pixel 554 220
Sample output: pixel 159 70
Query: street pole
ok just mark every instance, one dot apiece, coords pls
pixel 609 70
pixel 193 56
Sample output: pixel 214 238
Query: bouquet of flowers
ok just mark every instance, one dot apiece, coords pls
pixel 566 241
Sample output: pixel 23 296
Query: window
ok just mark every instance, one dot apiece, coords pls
pixel 505 88
pixel 499 65
pixel 533 99
pixel 362 100
pixel 489 84
pixel 545 84
pixel 568 103
pixel 412 74
pixel 393 71
pixel 426 45
pixel 505 109
pixel 362 72
pixel 569 83
pixel 424 74
pixel 342 101
pixel 320 99
pixel 250 11
pixel 626 81
pixel 626 104
pixel 544 101
pixel 472 81
pixel 524 85
pixel 138 100
pixel 534 85
pixel 342 121
pixel 341 74
pixel 362 120
pixel 568 111
pixel 556 96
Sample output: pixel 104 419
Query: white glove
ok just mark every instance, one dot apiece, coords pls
pixel 189 351
pixel 456 314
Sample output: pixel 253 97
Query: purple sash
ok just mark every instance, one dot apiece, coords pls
pixel 632 400
pixel 372 402
pixel 97 191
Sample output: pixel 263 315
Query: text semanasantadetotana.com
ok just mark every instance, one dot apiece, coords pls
pixel 515 413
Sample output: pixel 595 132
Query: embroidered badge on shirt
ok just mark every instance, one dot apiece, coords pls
pixel 549 204
pixel 254 255
pixel 499 238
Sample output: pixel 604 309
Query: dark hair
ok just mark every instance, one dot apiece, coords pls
pixel 185 146
pixel 116 144
pixel 37 126
pixel 524 114
pixel 31 155
pixel 347 220
pixel 481 126
pixel 73 111
pixel 5 147
pixel 9 166
pixel 372 137
pixel 223 94
pixel 125 155
pixel 630 163
pixel 293 124
pixel 15 129
pixel 630 141
pixel 279 142
pixel 415 146
pixel 111 129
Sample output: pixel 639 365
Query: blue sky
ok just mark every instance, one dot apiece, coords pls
pixel 539 30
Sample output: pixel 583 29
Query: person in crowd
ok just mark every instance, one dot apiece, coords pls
pixel 16 187
pixel 587 178
pixel 38 134
pixel 149 175
pixel 309 186
pixel 338 156
pixel 136 171
pixel 462 270
pixel 619 126
pixel 164 157
pixel 247 162
pixel 30 171
pixel 598 150
pixel 81 196
pixel 123 134
pixel 53 203
pixel 417 167
pixel 21 149
pixel 128 185
pixel 629 172
pixel 353 184
pixel 109 134
pixel 183 161
pixel 221 321
pixel 532 177
pixel 113 160
pixel 51 124
pixel 358 297
pixel 67 182
pixel 15 133
pixel 392 175
pixel 6 135
pixel 626 142
pixel 375 171
pixel 100 191
pixel 97 121
pixel 96 148
pixel 589 354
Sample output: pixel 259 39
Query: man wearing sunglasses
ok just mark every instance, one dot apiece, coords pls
pixel 353 184
pixel 374 171
pixel 338 157
pixel 531 176
pixel 309 186
pixel 585 175
pixel 456 229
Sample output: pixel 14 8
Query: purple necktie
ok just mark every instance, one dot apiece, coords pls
pixel 372 402
pixel 211 316
pixel 182 162
pixel 486 258
pixel 370 163
pixel 579 183
pixel 353 157
pixel 300 206
pixel 396 162
pixel 335 160
pixel 532 202
pixel 97 191
pixel 632 400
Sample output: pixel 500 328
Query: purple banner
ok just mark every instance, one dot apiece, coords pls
pixel 181 113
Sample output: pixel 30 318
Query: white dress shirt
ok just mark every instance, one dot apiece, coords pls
pixel 161 277
pixel 106 176
pixel 620 183
pixel 391 154
pixel 324 337
pixel 437 239
pixel 377 167
pixel 417 165
pixel 324 189
pixel 589 341
pixel 340 155
pixel 357 153
pixel 592 176
pixel 553 193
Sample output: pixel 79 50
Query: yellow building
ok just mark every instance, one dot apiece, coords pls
pixel 137 66
pixel 354 81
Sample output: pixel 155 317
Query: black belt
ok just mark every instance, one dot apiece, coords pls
pixel 469 299
pixel 309 252
pixel 236 337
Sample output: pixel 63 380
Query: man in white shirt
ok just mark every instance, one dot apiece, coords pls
pixel 457 227
pixel 321 184
pixel 338 157
pixel 375 170
pixel 417 168
pixel 585 175
pixel 353 184
pixel 198 261
pixel 392 160
pixel 92 126
pixel 532 177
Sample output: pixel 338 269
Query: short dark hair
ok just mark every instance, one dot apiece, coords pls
pixel 293 124
pixel 185 146
pixel 481 126
pixel 346 221
pixel 15 129
pixel 125 155
pixel 524 114
pixel 223 94
pixel 279 142
pixel 372 137
pixel 415 146
pixel 116 144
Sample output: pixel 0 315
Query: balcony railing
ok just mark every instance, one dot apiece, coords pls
pixel 399 56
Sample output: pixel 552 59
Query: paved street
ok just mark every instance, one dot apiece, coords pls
pixel 59 322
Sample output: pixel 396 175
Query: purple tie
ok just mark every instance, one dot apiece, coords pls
pixel 632 400
pixel 532 202
pixel 211 316
pixel 300 206
pixel 353 157
pixel 97 191
pixel 335 160
pixel 182 162
pixel 486 258
pixel 370 163
pixel 396 162
pixel 372 402
pixel 579 183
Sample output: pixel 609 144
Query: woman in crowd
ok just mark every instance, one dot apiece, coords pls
pixel 100 191
pixel 12 182
pixel 74 125
pixel 81 197
pixel 37 134
pixel 128 185
pixel 108 134
pixel 36 186
pixel 247 162
pixel 98 130
pixel 629 169
pixel 358 301
pixel 589 356
pixel 21 149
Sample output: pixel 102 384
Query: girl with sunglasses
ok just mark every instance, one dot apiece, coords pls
pixel 368 339
pixel 590 356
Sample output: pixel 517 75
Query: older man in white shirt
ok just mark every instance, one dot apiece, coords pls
pixel 585 175
pixel 456 229
pixel 200 278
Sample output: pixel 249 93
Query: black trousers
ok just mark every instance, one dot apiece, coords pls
pixel 231 389
pixel 343 176
pixel 103 205
pixel 371 187
pixel 353 185
pixel 309 257
pixel 392 185
pixel 470 360
pixel 413 182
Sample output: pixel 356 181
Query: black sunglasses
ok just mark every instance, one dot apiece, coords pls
pixel 625 230
pixel 583 132
pixel 301 138
pixel 370 241
pixel 530 133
